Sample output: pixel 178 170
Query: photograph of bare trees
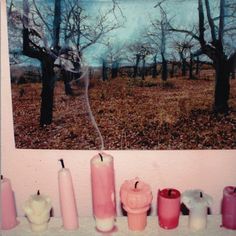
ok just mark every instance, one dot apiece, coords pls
pixel 123 74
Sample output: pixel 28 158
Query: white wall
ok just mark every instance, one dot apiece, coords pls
pixel 30 170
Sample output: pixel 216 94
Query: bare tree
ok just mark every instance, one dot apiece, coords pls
pixel 213 36
pixel 140 49
pixel 158 35
pixel 79 32
pixel 183 47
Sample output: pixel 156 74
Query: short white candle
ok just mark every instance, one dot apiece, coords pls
pixel 197 202
pixel 37 209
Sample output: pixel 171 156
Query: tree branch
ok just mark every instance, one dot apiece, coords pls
pixel 211 22
pixel 221 22
pixel 201 23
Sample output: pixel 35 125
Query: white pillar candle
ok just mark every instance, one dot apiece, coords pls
pixel 197 202
pixel 37 209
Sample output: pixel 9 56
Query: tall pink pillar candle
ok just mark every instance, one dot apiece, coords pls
pixel 136 197
pixel 8 208
pixel 103 191
pixel 67 199
pixel 168 208
pixel 229 207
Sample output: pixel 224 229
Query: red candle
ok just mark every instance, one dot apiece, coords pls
pixel 136 197
pixel 168 208
pixel 8 209
pixel 229 207
pixel 103 191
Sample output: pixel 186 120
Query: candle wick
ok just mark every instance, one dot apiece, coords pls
pixel 62 163
pixel 38 193
pixel 136 183
pixel 169 192
pixel 1 176
pixel 100 156
pixel 201 195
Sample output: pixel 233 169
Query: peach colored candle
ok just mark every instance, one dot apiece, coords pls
pixel 168 207
pixel 229 207
pixel 8 208
pixel 103 191
pixel 136 197
pixel 67 199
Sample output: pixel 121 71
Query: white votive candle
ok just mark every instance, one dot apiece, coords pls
pixel 37 209
pixel 197 202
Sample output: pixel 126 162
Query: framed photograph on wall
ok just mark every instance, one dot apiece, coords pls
pixel 123 74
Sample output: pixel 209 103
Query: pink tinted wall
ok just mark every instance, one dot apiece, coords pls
pixel 30 170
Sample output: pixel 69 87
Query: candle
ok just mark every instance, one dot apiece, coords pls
pixel 103 191
pixel 8 208
pixel 136 197
pixel 198 203
pixel 229 207
pixel 168 208
pixel 67 199
pixel 37 209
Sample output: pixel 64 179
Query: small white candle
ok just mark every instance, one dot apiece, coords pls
pixel 197 202
pixel 37 209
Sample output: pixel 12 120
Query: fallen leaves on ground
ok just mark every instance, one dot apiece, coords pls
pixel 130 113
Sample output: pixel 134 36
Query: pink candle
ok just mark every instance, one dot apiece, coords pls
pixel 136 197
pixel 168 208
pixel 229 207
pixel 103 191
pixel 8 208
pixel 67 199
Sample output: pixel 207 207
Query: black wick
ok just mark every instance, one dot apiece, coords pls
pixel 201 195
pixel 38 193
pixel 100 156
pixel 62 163
pixel 1 176
pixel 136 183
pixel 169 192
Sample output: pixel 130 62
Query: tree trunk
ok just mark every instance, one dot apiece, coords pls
pixel 222 86
pixel 183 67
pixel 143 68
pixel 114 69
pixel 197 66
pixel 136 65
pixel 191 67
pixel 104 70
pixel 48 81
pixel 154 67
pixel 164 68
pixel 67 77
pixel 172 71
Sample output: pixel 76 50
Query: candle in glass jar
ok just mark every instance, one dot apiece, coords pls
pixel 136 197
pixel 103 191
pixel 197 202
pixel 168 208
pixel 229 207
pixel 37 209
pixel 67 199
pixel 8 208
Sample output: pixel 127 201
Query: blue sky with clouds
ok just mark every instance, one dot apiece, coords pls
pixel 138 14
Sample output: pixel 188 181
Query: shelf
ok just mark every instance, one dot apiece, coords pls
pixel 87 228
